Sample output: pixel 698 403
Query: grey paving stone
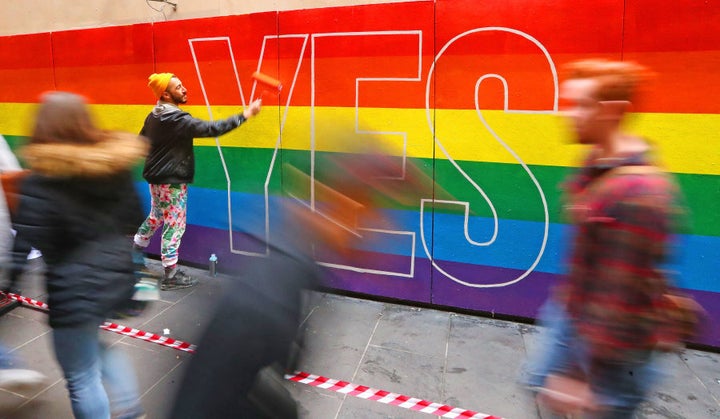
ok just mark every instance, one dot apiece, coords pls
pixel 157 400
pixel 17 330
pixel 53 402
pixel 413 329
pixel 706 366
pixel 367 409
pixel 338 331
pixel 483 361
pixel 314 402
pixel 148 374
pixel 681 392
pixel 38 354
pixel 24 312
pixel 402 372
pixel 461 360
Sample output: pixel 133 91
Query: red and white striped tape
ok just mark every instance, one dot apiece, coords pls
pixel 27 301
pixel 386 397
pixel 119 329
pixel 150 337
pixel 338 386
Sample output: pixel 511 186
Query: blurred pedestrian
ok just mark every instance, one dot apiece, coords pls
pixel 606 319
pixel 77 205
pixel 170 167
pixel 10 174
pixel 242 354
pixel 14 373
pixel 9 166
pixel 255 334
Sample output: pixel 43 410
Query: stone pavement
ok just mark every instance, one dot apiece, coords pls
pixel 460 360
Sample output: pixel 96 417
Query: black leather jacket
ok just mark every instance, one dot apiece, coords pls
pixel 171 132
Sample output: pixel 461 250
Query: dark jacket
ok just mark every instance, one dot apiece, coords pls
pixel 254 325
pixel 77 206
pixel 171 132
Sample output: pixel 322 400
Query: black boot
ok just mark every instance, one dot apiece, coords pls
pixel 176 278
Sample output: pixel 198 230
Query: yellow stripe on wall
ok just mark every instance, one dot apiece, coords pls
pixel 17 118
pixel 687 143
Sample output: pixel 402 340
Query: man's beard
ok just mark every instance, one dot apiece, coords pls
pixel 178 99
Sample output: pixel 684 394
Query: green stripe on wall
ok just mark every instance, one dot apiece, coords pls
pixel 508 186
pixel 15 142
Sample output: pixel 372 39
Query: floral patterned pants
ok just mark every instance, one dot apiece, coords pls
pixel 169 209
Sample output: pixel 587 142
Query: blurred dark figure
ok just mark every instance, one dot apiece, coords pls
pixel 237 369
pixel 607 321
pixel 77 206
pixel 255 335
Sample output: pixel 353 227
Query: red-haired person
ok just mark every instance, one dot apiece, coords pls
pixel 605 320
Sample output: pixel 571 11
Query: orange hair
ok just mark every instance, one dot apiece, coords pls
pixel 619 80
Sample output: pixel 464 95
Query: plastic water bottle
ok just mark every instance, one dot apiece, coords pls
pixel 212 266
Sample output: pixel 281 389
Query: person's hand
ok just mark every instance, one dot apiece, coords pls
pixel 567 396
pixel 253 109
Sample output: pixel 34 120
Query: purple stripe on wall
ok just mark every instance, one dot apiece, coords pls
pixel 427 286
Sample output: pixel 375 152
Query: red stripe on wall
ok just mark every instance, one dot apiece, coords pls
pixel 111 65
pixel 678 26
pixel 680 41
pixel 108 65
pixel 25 67
pixel 563 26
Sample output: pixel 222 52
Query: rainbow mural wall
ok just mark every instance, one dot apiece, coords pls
pixel 466 90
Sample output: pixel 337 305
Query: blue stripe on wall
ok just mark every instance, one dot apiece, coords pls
pixel 516 246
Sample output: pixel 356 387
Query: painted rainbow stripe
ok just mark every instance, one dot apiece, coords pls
pixel 467 90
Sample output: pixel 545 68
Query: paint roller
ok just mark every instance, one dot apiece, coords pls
pixel 267 83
